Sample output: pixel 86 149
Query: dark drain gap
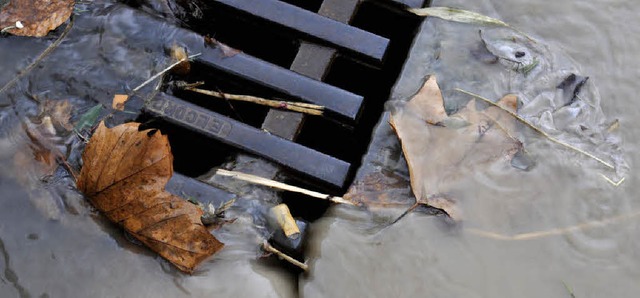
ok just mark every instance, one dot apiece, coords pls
pixel 190 158
pixel 350 144
pixel 255 37
pixel 301 206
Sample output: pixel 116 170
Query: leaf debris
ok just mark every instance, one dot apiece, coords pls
pixel 124 175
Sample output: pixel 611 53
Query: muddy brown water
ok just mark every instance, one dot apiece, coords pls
pixel 423 256
pixel 52 244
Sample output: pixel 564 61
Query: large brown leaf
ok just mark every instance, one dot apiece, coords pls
pixel 442 149
pixel 124 174
pixel 37 16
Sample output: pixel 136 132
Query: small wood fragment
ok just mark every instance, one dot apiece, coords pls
pixel 268 248
pixel 287 223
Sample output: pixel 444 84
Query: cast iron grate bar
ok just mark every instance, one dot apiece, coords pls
pixel 411 3
pixel 315 25
pixel 284 152
pixel 187 187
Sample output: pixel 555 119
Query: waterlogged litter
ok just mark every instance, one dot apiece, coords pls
pixel 439 149
pixel 444 140
pixel 67 236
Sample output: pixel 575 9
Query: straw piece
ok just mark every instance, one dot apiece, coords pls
pixel 556 231
pixel 282 186
pixel 163 72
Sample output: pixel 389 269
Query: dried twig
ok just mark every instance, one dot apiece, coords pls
pixel 268 248
pixel 306 108
pixel 616 184
pixel 554 232
pixel 282 186
pixel 163 71
pixel 538 130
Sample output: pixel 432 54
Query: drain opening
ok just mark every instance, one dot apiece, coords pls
pixel 350 144
pixel 193 158
pixel 253 36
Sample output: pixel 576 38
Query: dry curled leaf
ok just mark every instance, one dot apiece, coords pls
pixel 124 175
pixel 37 17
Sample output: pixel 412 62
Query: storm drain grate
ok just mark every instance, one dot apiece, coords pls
pixel 335 59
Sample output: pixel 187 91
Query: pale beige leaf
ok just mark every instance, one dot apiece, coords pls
pixel 428 103
pixel 458 15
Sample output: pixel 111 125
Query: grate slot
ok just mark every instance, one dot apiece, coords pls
pixel 286 153
pixel 315 25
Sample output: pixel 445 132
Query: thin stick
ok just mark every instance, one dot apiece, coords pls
pixel 616 184
pixel 538 130
pixel 268 248
pixel 163 71
pixel 569 289
pixel 279 185
pixel 232 107
pixel 44 54
pixel 306 108
pixel 554 232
